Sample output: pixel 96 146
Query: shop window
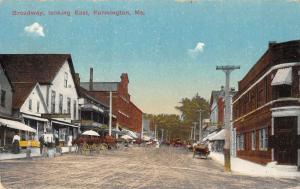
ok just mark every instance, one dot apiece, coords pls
pixel 263 139
pixel 253 140
pixel 68 105
pixel 60 106
pixel 3 98
pixel 30 104
pixel 66 80
pixel 62 134
pixel 53 94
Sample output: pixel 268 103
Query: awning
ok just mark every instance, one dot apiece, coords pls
pixel 283 77
pixel 64 124
pixel 34 118
pixel 209 136
pixel 16 125
pixel 219 136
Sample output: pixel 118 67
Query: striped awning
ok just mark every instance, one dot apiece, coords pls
pixel 283 77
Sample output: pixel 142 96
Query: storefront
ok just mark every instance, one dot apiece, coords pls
pixel 8 128
pixel 63 131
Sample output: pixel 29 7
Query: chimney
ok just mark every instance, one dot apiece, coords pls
pixel 77 79
pixel 91 79
pixel 272 43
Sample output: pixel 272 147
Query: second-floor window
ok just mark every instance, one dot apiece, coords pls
pixel 3 98
pixel 53 101
pixel 66 80
pixel 60 106
pixel 284 91
pixel 30 104
pixel 68 105
pixel 74 109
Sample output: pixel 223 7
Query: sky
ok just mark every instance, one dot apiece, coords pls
pixel 170 50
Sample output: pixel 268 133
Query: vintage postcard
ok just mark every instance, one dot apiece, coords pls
pixel 149 94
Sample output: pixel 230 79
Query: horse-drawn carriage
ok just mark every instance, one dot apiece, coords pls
pixel 201 150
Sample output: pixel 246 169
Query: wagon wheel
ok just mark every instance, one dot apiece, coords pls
pixel 103 146
pixel 85 148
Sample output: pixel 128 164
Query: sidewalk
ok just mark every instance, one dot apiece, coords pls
pixel 35 152
pixel 253 169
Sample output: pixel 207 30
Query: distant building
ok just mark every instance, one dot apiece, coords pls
pixel 266 109
pixel 128 114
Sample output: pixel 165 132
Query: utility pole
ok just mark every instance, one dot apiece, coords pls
pixel 110 113
pixel 200 124
pixel 195 126
pixel 155 132
pixel 227 70
pixel 191 133
pixel 162 135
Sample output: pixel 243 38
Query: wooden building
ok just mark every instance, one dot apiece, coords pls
pixel 266 108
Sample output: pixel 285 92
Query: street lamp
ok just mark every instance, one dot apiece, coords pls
pixel 227 70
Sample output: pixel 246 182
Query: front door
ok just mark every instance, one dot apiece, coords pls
pixel 285 132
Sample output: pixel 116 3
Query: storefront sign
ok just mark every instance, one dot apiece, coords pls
pixel 49 116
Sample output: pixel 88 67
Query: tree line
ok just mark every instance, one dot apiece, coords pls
pixel 179 126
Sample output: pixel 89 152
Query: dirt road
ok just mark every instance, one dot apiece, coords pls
pixel 130 168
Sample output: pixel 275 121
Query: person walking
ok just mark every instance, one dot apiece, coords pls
pixel 42 143
pixel 16 143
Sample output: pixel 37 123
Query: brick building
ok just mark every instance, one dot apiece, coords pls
pixel 266 109
pixel 128 114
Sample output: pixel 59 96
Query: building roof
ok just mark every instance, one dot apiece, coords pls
pixel 21 92
pixel 84 93
pixel 101 86
pixel 25 70
pixel 40 68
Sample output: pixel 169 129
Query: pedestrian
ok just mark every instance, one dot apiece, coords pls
pixel 42 143
pixel 16 143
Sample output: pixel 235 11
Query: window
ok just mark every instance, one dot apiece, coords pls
pixel 284 91
pixel 38 107
pixel 66 80
pixel 74 110
pixel 240 145
pixel 238 142
pixel 3 93
pixel 60 106
pixel 253 140
pixel 30 104
pixel 53 101
pixel 68 105
pixel 263 139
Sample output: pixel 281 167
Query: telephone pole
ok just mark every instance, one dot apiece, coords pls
pixel 227 70
pixel 200 124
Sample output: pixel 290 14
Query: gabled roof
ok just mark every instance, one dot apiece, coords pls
pixel 21 92
pixel 40 68
pixel 35 68
pixel 101 86
pixel 5 73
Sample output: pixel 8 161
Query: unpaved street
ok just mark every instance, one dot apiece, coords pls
pixel 130 168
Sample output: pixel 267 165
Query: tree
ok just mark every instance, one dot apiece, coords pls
pixel 189 107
